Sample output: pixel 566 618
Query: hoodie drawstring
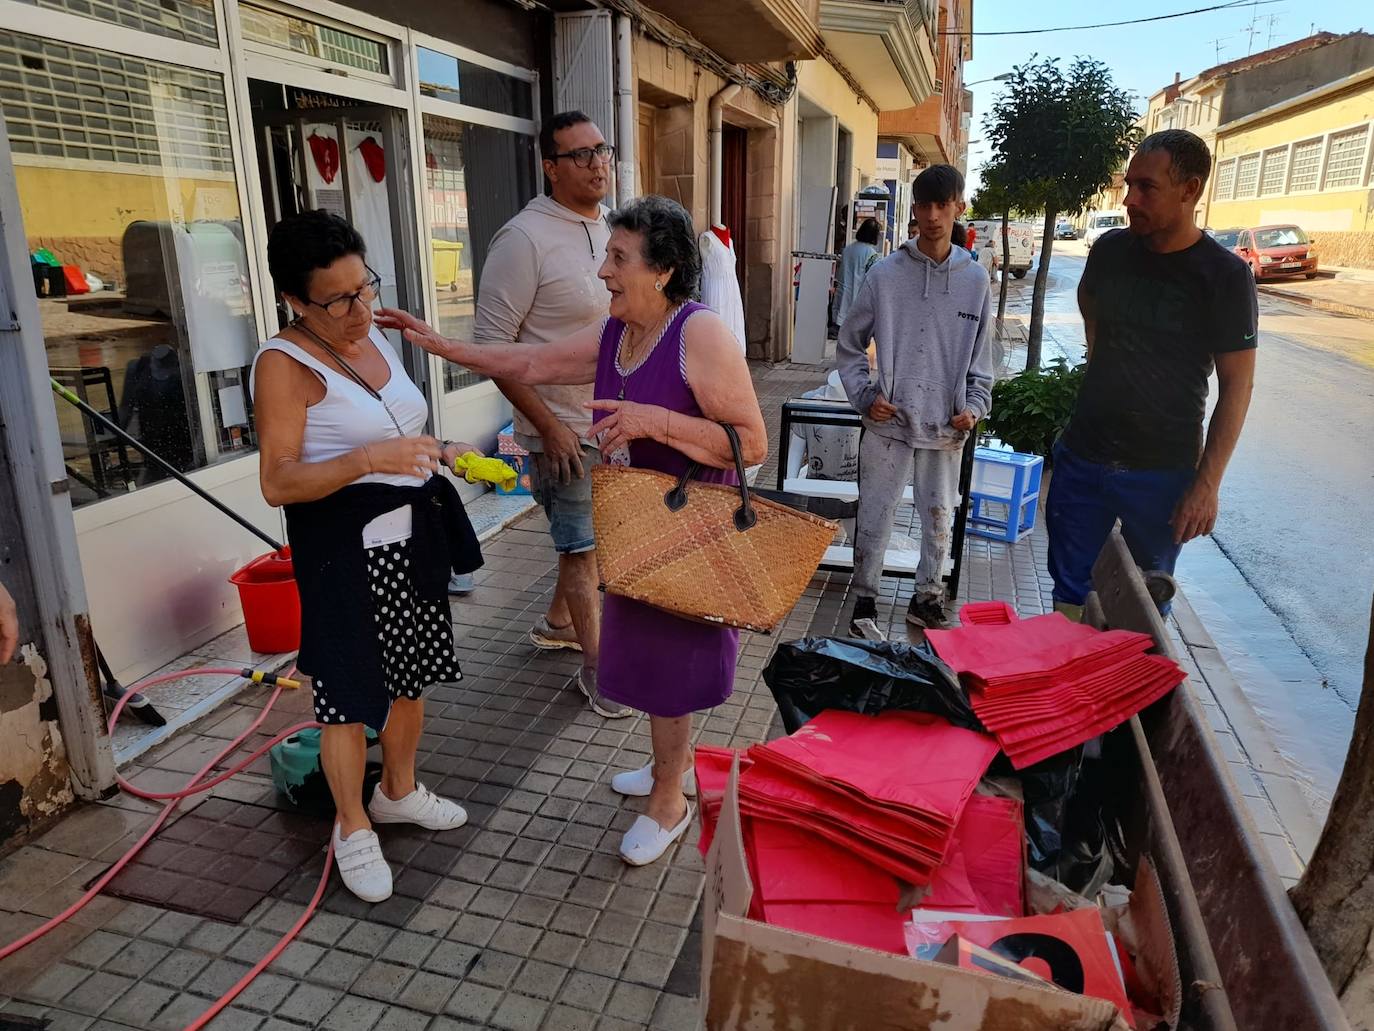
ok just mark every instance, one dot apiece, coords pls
pixel 590 246
pixel 926 291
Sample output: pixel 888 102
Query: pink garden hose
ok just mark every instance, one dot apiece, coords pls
pixel 194 786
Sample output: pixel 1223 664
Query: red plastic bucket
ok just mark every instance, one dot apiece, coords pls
pixel 271 605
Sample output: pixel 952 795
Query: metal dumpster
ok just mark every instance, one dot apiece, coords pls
pixel 1244 958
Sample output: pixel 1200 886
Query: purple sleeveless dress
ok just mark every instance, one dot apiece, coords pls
pixel 651 660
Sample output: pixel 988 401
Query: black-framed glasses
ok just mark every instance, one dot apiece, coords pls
pixel 582 157
pixel 342 306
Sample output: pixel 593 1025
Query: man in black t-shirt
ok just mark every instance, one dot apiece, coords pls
pixel 1163 304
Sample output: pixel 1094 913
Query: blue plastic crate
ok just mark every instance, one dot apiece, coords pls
pixel 1004 494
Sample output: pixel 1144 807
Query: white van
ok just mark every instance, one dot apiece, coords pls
pixel 1100 222
pixel 1020 238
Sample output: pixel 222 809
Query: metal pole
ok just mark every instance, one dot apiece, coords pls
pixel 171 470
pixel 961 513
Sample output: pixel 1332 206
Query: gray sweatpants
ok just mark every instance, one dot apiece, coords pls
pixel 885 468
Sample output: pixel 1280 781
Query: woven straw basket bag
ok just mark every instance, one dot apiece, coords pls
pixel 705 551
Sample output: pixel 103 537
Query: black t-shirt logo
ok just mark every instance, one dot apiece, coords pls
pixel 970 315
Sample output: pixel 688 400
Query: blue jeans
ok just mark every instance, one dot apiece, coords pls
pixel 1086 499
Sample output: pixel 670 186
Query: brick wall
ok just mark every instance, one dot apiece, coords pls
pixel 1353 249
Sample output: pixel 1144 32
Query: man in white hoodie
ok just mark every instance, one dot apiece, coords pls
pixel 927 307
pixel 539 284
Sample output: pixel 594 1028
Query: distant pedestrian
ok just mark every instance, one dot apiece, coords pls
pixel 1162 303
pixel 987 258
pixel 928 308
pixel 855 262
pixel 912 228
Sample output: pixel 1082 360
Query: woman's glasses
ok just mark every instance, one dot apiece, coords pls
pixel 583 157
pixel 340 307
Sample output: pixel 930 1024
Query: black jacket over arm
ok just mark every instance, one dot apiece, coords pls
pixel 338 634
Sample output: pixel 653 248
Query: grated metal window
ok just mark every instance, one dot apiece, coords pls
pixel 1247 175
pixel 314 40
pixel 1274 171
pixel 1306 165
pixel 190 20
pixel 1226 180
pixel 66 101
pixel 1345 158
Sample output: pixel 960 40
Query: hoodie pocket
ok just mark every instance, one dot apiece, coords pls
pixel 925 406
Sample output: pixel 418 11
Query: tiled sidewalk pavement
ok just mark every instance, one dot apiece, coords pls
pixel 526 918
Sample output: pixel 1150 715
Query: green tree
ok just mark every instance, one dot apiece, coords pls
pixel 1057 139
pixel 993 201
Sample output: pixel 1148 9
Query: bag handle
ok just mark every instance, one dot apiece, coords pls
pixel 745 516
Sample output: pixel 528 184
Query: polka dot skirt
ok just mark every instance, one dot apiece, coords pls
pixel 414 635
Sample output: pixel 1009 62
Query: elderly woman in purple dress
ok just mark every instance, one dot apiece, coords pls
pixel 667 372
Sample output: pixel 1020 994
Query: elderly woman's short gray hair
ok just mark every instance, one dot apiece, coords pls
pixel 669 241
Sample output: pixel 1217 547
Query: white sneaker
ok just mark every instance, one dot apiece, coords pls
pixel 645 841
pixel 421 807
pixel 461 583
pixel 639 783
pixel 362 865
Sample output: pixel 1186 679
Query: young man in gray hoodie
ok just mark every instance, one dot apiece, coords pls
pixel 927 307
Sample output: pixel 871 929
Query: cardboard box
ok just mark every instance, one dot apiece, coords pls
pixel 760 978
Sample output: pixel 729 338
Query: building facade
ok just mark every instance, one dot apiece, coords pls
pixel 1307 161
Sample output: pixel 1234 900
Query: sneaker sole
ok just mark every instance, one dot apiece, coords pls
pixel 382 818
pixel 371 899
pixel 552 644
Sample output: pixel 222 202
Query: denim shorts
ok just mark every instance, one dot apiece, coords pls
pixel 568 505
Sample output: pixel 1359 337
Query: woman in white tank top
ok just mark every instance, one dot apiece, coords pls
pixel 334 409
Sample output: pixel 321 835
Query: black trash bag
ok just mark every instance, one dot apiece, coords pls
pixel 868 677
pixel 1072 828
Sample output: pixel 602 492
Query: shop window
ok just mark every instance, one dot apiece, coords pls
pixel 190 20
pixel 495 169
pixel 1305 166
pixel 1345 159
pixel 323 42
pixel 137 251
pixel 452 78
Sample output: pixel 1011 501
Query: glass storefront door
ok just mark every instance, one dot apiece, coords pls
pixel 322 151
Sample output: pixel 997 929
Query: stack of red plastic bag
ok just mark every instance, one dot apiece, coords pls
pixel 889 788
pixel 1045 684
pixel 841 816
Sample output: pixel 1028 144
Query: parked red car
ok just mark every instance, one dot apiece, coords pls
pixel 1272 250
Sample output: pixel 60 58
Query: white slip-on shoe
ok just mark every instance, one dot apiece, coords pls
pixel 421 807
pixel 640 783
pixel 362 866
pixel 645 841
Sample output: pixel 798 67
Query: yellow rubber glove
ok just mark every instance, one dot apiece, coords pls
pixel 476 469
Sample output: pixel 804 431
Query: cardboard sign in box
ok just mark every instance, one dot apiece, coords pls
pixel 755 977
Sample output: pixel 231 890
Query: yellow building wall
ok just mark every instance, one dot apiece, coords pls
pixel 819 83
pixel 1323 211
pixel 80 214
